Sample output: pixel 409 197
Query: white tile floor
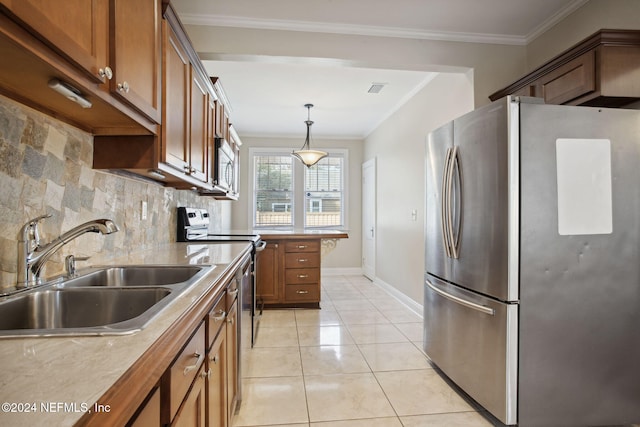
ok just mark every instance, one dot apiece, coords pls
pixel 356 362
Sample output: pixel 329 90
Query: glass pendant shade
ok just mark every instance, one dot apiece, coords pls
pixel 306 155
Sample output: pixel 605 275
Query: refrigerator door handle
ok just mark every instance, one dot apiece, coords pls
pixel 478 307
pixel 444 205
pixel 453 239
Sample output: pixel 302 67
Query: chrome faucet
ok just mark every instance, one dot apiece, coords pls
pixel 32 255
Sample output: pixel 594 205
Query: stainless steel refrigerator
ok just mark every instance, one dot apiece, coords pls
pixel 532 282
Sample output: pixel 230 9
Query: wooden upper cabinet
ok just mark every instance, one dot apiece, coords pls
pixel 76 29
pixel 603 70
pixel 175 98
pixel 198 126
pixel 135 54
pixel 570 81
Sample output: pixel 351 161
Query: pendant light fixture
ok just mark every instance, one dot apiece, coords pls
pixel 306 155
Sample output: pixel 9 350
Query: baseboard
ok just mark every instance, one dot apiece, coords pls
pixel 394 292
pixel 351 271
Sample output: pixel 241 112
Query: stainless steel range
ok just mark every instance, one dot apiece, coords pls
pixel 193 225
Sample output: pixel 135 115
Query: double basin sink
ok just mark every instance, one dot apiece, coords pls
pixel 103 301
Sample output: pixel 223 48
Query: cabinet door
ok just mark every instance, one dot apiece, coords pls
pixel 192 412
pixel 149 415
pixel 267 274
pixel 135 54
pixel 232 361
pixel 175 100
pixel 574 79
pixel 217 382
pixel 77 29
pixel 198 135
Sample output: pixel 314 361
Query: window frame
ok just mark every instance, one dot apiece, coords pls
pixel 298 188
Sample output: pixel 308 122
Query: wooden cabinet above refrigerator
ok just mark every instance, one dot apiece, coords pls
pixel 601 71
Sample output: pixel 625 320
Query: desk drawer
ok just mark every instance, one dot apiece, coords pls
pixel 301 260
pixel 301 275
pixel 302 293
pixel 302 246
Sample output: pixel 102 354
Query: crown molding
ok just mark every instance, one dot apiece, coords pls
pixel 348 29
pixel 553 20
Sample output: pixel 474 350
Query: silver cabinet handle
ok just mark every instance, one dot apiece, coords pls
pixel 233 293
pixel 302 276
pixel 221 315
pixel 190 368
pixel 230 320
pixel 302 260
pixel 478 307
pixel 206 375
pixel 215 358
pixel 302 246
pixel 106 72
pixel 302 292
pixel 123 87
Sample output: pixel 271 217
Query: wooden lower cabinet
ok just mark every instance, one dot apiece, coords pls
pixel 216 409
pixel 192 412
pixel 268 273
pixel 149 413
pixel 200 388
pixel 288 273
pixel 232 361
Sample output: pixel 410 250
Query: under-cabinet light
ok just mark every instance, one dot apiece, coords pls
pixel 69 92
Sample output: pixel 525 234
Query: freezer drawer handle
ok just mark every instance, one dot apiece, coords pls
pixel 481 308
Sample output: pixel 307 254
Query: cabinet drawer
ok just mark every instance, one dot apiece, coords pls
pixel 301 260
pixel 302 246
pixel 216 318
pixel 232 292
pixel 302 293
pixel 182 372
pixel 302 275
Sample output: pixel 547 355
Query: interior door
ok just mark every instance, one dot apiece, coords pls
pixel 369 218
pixel 481 192
pixel 439 144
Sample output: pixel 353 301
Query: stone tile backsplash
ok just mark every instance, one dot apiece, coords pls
pixel 45 167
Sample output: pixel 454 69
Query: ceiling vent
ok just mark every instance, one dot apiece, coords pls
pixel 376 87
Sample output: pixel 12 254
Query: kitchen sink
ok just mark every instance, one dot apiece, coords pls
pixel 135 276
pixel 104 301
pixel 74 311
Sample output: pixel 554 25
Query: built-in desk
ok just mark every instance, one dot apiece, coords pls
pixel 288 269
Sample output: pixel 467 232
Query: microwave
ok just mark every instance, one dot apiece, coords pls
pixel 224 168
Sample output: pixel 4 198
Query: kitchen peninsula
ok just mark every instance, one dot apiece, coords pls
pixel 288 269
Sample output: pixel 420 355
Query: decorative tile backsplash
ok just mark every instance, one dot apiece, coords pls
pixel 45 167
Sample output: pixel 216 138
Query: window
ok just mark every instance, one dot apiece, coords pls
pixel 287 194
pixel 323 193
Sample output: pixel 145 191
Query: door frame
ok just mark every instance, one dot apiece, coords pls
pixel 369 208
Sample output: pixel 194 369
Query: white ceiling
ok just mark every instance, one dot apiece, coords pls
pixel 266 103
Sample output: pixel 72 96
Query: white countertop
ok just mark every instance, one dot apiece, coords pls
pixel 53 380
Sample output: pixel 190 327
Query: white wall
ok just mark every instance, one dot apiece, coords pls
pixel 399 147
pixel 347 254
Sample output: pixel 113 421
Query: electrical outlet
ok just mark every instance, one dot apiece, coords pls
pixel 143 210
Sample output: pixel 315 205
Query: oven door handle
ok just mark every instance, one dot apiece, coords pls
pixel 260 246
